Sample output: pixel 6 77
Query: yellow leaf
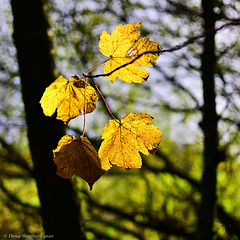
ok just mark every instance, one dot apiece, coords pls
pixel 68 98
pixel 125 139
pixel 126 53
pixel 77 156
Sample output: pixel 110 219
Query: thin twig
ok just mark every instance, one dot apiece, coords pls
pixel 202 35
pixel 175 48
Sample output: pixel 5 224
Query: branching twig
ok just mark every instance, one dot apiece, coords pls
pixel 175 48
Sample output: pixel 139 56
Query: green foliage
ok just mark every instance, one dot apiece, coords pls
pixel 139 193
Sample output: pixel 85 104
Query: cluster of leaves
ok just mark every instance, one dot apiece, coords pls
pixel 123 139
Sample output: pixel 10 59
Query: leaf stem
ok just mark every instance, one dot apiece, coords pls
pixel 96 66
pixel 84 109
pixel 104 100
pixel 85 74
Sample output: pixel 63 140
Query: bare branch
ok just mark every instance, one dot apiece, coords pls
pixel 170 168
pixel 29 209
pixel 15 157
pixel 170 226
pixel 202 35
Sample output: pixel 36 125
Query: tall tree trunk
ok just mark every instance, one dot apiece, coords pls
pixel 209 126
pixel 60 208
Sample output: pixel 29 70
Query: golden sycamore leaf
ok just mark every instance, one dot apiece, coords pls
pixel 125 139
pixel 126 53
pixel 68 98
pixel 77 156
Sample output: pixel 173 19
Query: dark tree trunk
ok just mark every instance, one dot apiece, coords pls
pixel 209 126
pixel 60 208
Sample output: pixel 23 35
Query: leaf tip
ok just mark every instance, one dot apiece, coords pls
pixel 152 151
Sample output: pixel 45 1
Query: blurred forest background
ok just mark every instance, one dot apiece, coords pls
pixel 190 188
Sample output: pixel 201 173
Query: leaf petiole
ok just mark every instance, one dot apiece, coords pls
pixel 84 109
pixel 85 74
pixel 104 100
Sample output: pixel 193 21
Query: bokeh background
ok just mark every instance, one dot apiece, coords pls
pixel 190 188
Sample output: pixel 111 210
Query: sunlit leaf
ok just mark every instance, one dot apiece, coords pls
pixel 126 53
pixel 68 98
pixel 125 139
pixel 77 156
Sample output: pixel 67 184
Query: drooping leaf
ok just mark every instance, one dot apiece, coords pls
pixel 126 53
pixel 68 98
pixel 77 156
pixel 125 139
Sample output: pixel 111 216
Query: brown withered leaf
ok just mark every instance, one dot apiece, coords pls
pixel 77 156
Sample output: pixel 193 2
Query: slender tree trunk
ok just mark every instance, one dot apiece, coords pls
pixel 209 126
pixel 60 208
